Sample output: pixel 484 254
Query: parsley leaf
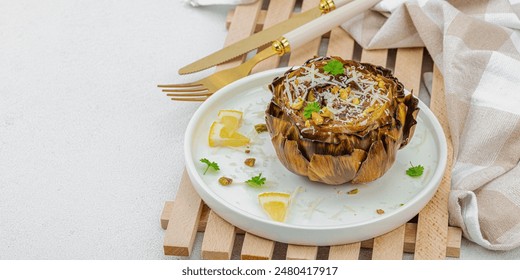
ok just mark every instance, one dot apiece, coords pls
pixel 415 171
pixel 334 67
pixel 211 164
pixel 256 181
pixel 310 108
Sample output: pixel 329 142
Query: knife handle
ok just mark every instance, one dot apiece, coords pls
pixel 307 32
pixel 326 6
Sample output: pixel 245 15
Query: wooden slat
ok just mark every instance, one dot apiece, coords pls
pixel 166 213
pixel 242 26
pixel 408 65
pixel 454 242
pixel 300 252
pixel 432 228
pixel 256 248
pixel 184 219
pixel 218 239
pixel 244 21
pixel 168 209
pixel 302 54
pixel 345 252
pixel 203 220
pixel 408 70
pixel 204 216
pixel 409 237
pixel 340 44
pixel 260 20
pixel 278 11
pixel 389 246
pixel 222 232
pixel 367 244
pixel 377 57
pixel 298 57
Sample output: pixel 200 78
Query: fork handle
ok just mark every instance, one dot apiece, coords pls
pixel 323 24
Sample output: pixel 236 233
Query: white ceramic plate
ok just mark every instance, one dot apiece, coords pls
pixel 319 214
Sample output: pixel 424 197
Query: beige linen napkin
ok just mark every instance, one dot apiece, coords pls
pixel 476 45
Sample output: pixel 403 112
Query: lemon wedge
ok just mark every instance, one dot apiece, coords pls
pixel 231 120
pixel 275 204
pixel 220 136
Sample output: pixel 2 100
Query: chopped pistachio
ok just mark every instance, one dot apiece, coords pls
pixel 250 162
pixel 354 191
pixel 343 93
pixel 298 104
pixel 318 120
pixel 261 127
pixel 368 110
pixel 225 181
pixel 311 97
pixel 326 113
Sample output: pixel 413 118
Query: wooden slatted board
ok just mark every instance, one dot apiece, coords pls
pixel 429 237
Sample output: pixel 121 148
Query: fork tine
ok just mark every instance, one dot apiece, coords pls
pixel 190 94
pixel 180 85
pixel 201 89
pixel 189 99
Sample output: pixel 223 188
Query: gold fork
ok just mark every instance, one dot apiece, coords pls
pixel 202 89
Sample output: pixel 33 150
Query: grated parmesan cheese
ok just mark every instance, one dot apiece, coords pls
pixel 363 93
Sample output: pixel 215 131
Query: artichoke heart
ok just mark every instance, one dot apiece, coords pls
pixel 341 127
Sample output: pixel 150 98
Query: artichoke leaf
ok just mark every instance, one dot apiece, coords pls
pixel 411 117
pixel 289 155
pixel 335 170
pixel 374 166
pixel 297 162
pixel 279 142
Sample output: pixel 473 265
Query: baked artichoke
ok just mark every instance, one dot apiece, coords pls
pixel 338 121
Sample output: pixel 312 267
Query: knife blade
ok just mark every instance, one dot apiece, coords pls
pixel 261 38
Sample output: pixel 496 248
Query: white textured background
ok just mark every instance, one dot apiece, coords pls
pixel 89 148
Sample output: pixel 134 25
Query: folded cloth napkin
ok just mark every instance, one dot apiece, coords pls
pixel 476 46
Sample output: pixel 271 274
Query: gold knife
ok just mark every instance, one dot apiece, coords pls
pixel 261 38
